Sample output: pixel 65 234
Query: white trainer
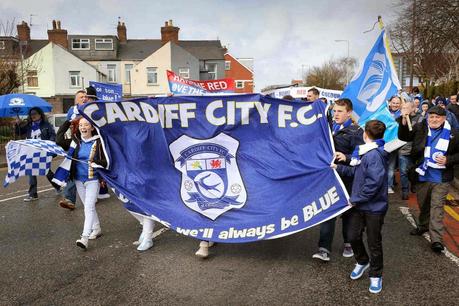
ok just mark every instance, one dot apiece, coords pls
pixel 146 244
pixel 95 233
pixel 83 242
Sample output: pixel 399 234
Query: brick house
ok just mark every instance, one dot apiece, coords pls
pixel 241 70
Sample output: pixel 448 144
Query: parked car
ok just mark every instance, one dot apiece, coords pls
pixel 57 120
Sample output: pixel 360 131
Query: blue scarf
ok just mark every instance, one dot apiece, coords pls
pixel 439 150
pixel 395 114
pixel 362 149
pixel 337 127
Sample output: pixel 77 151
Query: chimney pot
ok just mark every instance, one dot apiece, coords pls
pixel 58 35
pixel 54 24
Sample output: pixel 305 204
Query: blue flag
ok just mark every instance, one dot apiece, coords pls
pixel 373 85
pixel 108 92
pixel 234 168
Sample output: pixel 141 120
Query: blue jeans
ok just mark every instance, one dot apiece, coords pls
pixel 405 163
pixel 391 168
pixel 70 191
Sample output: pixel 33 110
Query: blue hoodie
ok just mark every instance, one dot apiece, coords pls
pixel 369 188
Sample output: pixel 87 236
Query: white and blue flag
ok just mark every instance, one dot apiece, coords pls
pixel 375 82
pixel 29 157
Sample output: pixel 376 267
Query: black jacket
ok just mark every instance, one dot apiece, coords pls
pixel 345 141
pixel 99 157
pixel 47 130
pixel 419 138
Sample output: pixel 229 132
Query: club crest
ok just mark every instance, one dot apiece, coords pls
pixel 17 102
pixel 211 182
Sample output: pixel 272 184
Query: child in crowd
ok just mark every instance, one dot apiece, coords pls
pixel 369 197
pixel 85 146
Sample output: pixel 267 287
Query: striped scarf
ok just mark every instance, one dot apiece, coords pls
pixel 362 149
pixel 337 127
pixel 62 173
pixel 430 153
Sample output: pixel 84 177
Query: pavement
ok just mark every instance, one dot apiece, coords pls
pixel 41 265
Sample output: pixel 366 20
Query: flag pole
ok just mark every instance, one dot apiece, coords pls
pixel 386 41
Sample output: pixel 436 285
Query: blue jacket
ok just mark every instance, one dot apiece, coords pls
pixel 369 189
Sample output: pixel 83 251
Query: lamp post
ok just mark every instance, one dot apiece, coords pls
pixel 347 57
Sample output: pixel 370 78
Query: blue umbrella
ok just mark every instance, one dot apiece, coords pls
pixel 14 105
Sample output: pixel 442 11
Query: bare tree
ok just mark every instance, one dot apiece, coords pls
pixel 332 74
pixel 426 34
pixel 14 65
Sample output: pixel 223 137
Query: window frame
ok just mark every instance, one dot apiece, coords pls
pixel 111 69
pixel 103 41
pixel 78 85
pixel 214 72
pixel 155 72
pixel 127 80
pixel 227 65
pixel 86 40
pixel 187 73
pixel 29 77
pixel 239 82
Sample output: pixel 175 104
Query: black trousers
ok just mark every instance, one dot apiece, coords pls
pixel 371 223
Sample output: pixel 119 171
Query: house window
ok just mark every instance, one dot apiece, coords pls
pixel 227 65
pixel 104 44
pixel 239 84
pixel 111 68
pixel 32 78
pixel 75 79
pixel 152 75
pixel 2 44
pixel 184 73
pixel 127 76
pixel 212 71
pixel 80 44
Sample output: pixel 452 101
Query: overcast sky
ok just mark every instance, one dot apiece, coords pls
pixel 283 37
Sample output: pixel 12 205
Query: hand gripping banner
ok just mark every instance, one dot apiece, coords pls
pixel 234 168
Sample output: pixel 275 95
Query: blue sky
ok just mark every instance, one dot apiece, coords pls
pixel 283 37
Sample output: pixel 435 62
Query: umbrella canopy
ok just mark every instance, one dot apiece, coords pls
pixel 13 105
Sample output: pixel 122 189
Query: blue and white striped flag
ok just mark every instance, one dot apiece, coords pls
pixel 375 82
pixel 29 157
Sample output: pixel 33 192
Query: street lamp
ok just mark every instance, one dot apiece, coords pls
pixel 347 58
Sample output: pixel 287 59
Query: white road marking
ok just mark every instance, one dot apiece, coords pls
pixel 23 196
pixel 406 212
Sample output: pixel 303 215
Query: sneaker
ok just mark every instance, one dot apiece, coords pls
pixel 139 241
pixel 103 196
pixel 437 247
pixel 358 270
pixel 418 231
pixel 375 284
pixel 83 242
pixel 347 251
pixel 145 245
pixel 322 254
pixel 66 204
pixel 95 233
pixel 203 250
pixel 390 190
pixel 29 199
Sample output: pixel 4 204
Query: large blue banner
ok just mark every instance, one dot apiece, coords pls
pixel 234 168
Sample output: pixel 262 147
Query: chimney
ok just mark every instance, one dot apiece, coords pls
pixel 23 32
pixel 122 35
pixel 169 33
pixel 57 35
